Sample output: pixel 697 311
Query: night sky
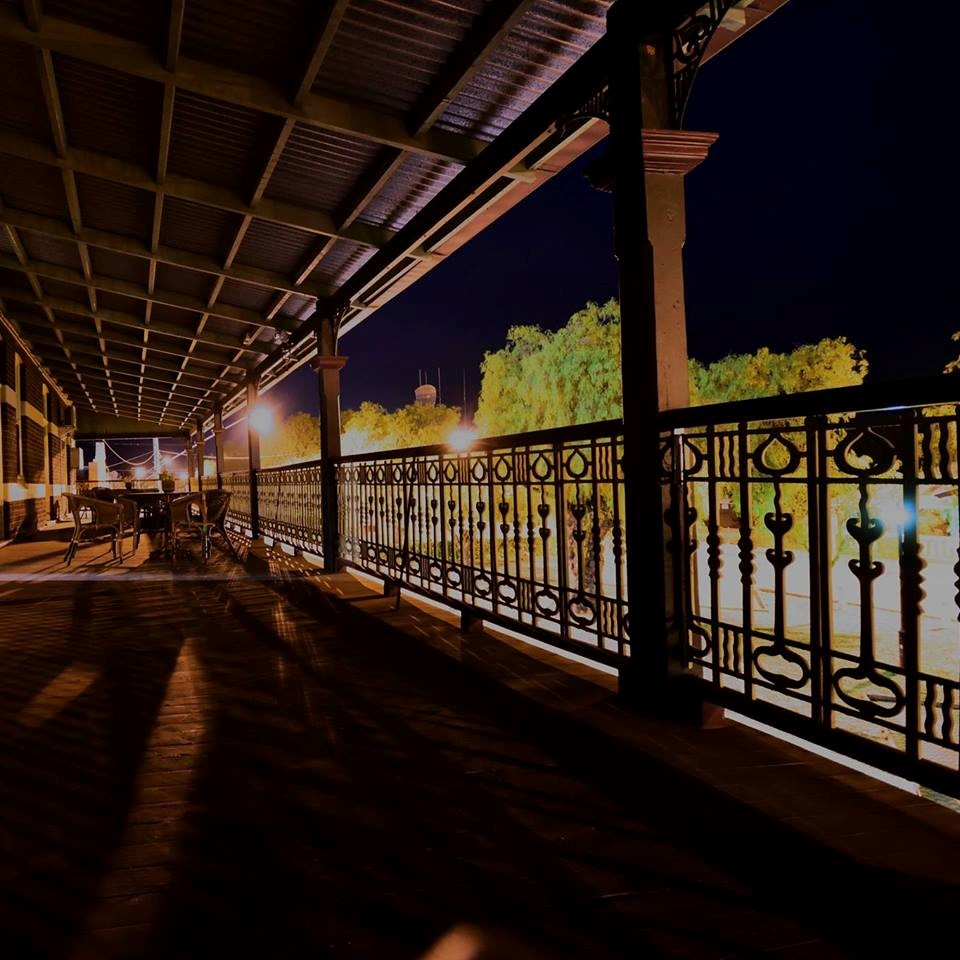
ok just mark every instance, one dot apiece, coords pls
pixel 822 210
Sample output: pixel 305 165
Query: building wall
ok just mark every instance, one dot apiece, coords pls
pixel 31 495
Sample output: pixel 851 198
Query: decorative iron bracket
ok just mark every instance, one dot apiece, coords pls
pixel 688 43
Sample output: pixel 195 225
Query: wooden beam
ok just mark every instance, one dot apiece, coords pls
pixel 69 328
pixel 121 375
pixel 329 113
pixel 32 13
pixel 118 243
pixel 109 168
pixel 133 290
pixel 157 372
pixel 321 46
pixel 133 321
pixel 497 20
pixel 174 32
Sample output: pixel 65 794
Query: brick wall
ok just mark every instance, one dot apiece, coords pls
pixel 30 497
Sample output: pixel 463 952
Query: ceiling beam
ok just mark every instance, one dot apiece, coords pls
pixel 130 377
pixel 155 373
pixel 329 113
pixel 497 20
pixel 321 46
pixel 135 291
pixel 118 243
pixel 215 195
pixel 70 329
pixel 133 321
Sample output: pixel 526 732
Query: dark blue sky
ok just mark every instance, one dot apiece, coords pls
pixel 827 207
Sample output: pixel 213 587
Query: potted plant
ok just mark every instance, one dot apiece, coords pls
pixel 167 481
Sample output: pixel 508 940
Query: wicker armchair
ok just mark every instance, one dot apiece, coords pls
pixel 92 519
pixel 130 516
pixel 187 520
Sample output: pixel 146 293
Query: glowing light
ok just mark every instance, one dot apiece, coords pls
pixel 139 473
pixel 461 438
pixel 261 419
pixel 181 474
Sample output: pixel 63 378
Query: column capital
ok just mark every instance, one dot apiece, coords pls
pixel 324 361
pixel 675 151
pixel 671 152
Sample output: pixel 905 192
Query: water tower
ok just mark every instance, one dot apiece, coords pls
pixel 425 395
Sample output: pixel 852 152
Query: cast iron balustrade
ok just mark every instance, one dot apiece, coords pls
pixel 290 506
pixel 477 529
pixel 815 539
pixel 526 530
pixel 818 541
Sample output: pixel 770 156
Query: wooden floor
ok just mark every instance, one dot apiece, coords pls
pixel 202 762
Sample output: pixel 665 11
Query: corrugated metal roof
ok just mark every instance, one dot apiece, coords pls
pixel 109 112
pixel 190 282
pixel 13 278
pixel 343 260
pixel 141 20
pixel 106 263
pixel 66 291
pixel 216 141
pixel 274 246
pixel 363 62
pixel 417 181
pixel 46 249
pixel 196 227
pixel 319 168
pixel 186 320
pixel 546 42
pixel 32 187
pixel 117 301
pixel 246 295
pixel 270 39
pixel 21 97
pixel 115 207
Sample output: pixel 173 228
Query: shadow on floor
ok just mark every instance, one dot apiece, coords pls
pixel 225 772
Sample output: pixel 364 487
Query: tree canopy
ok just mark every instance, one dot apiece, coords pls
pixel 373 427
pixel 544 378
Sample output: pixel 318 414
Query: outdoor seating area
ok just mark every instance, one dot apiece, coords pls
pixel 174 519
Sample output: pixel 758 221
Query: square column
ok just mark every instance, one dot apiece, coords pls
pixel 253 456
pixel 328 369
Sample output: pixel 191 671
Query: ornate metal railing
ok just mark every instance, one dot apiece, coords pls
pixel 526 531
pixel 238 483
pixel 818 539
pixel 290 503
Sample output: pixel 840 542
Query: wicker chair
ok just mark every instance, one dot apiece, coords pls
pixel 187 520
pixel 130 516
pixel 93 518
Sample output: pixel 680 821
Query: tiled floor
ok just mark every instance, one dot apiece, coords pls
pixel 200 762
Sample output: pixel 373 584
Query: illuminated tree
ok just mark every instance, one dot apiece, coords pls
pixel 373 427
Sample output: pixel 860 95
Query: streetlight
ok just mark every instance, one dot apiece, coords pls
pixel 261 420
pixel 461 438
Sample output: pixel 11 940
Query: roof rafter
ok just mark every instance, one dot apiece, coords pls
pixel 136 292
pixel 109 168
pixel 497 20
pixel 133 321
pixel 329 113
pixel 118 243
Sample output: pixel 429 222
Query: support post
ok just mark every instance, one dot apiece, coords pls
pixel 253 451
pixel 645 170
pixel 188 446
pixel 328 365
pixel 218 443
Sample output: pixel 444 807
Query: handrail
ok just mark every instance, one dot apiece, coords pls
pixel 896 394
